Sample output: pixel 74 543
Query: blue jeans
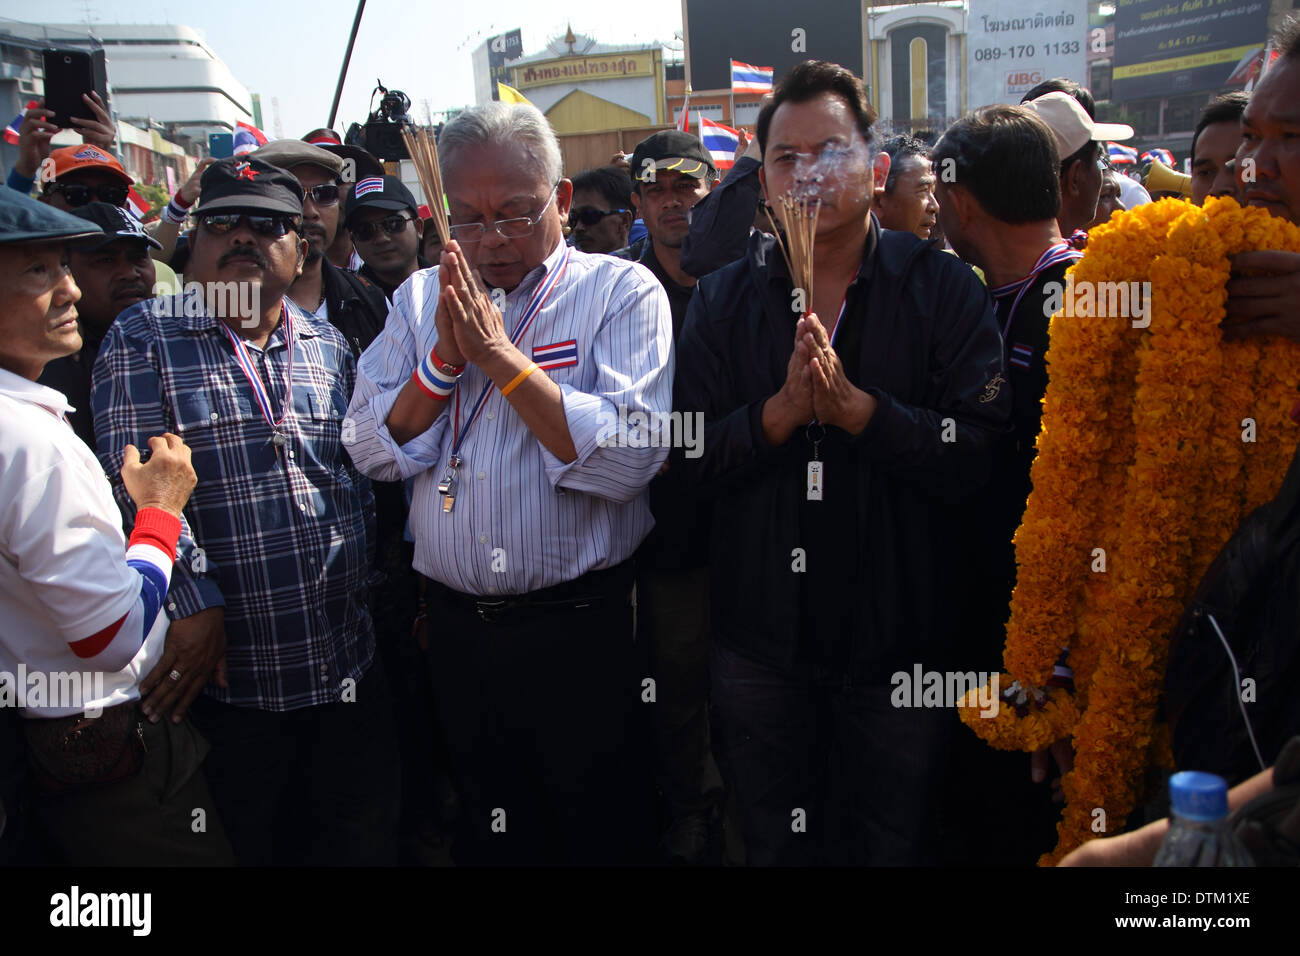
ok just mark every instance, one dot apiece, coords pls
pixel 826 771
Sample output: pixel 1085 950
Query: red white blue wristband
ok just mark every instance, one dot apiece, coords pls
pixel 433 381
pixel 175 213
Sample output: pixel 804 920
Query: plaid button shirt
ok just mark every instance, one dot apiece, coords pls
pixel 280 540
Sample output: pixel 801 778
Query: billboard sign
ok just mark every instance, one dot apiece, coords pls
pixel 503 47
pixel 1013 45
pixel 1164 48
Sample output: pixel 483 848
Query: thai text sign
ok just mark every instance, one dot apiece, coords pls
pixel 1013 45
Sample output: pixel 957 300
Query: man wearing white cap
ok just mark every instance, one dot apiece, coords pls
pixel 1079 139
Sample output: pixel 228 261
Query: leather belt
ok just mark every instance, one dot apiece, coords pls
pixel 590 590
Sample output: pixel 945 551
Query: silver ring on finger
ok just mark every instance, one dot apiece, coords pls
pixel 174 675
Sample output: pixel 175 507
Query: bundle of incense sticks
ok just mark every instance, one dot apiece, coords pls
pixel 800 220
pixel 423 147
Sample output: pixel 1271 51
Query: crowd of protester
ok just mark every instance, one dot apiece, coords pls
pixel 375 566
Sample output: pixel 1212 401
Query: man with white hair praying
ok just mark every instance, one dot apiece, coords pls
pixel 494 387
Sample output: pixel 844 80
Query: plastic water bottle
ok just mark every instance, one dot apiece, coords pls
pixel 1199 834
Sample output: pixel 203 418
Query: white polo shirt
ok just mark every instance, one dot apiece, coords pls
pixel 63 570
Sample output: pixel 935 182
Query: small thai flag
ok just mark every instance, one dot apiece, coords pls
pixel 1121 155
pixel 1020 355
pixel 11 131
pixel 247 138
pixel 136 204
pixel 372 184
pixel 684 120
pixel 750 79
pixel 559 355
pixel 1159 155
pixel 721 142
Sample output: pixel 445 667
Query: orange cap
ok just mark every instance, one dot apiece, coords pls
pixel 69 159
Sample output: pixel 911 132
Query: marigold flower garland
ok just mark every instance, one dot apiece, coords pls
pixel 1145 467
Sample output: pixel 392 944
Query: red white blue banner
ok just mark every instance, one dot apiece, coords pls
pixel 746 78
pixel 721 142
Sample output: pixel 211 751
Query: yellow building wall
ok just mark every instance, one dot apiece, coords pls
pixel 580 112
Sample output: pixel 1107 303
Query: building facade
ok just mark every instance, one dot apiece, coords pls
pixel 584 87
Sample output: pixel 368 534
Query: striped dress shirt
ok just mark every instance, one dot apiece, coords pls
pixel 524 520
pixel 284 538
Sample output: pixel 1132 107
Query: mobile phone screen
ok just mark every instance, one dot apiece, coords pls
pixel 221 145
pixel 69 74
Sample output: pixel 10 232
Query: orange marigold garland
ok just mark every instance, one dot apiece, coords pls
pixel 1145 466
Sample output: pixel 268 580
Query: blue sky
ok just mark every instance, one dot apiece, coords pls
pixel 293 50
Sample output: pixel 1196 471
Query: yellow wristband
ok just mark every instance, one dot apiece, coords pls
pixel 514 382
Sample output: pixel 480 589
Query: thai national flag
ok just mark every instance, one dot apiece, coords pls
pixel 1120 154
pixel 557 355
pixel 247 138
pixel 1159 155
pixel 684 120
pixel 721 142
pixel 750 79
pixel 11 131
pixel 136 204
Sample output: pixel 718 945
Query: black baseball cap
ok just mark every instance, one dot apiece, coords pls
pixel 672 151
pixel 117 223
pixel 23 219
pixel 380 192
pixel 364 164
pixel 242 183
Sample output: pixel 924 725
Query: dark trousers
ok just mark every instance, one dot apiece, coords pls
pixel 316 786
pixel 162 815
pixel 825 771
pixel 674 618
pixel 545 724
pixel 393 607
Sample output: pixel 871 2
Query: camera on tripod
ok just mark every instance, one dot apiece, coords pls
pixel 381 136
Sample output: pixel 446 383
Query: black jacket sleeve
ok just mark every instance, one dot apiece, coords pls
pixel 720 222
pixel 947 445
pixel 732 446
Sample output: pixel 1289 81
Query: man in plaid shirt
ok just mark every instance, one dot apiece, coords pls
pixel 278 533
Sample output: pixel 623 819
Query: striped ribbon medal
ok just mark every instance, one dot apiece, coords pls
pixel 1065 250
pixel 245 362
pixel 447 487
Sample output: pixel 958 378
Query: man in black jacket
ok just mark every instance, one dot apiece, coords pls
pixel 836 449
pixel 387 231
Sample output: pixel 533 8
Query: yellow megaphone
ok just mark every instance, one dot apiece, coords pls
pixel 1162 179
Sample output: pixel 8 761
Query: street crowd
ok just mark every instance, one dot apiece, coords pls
pixel 367 577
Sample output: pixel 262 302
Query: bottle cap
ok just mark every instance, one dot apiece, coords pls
pixel 1198 796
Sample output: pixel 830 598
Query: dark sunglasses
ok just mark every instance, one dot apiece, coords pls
pixel 393 225
pixel 273 226
pixel 326 194
pixel 77 194
pixel 590 215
